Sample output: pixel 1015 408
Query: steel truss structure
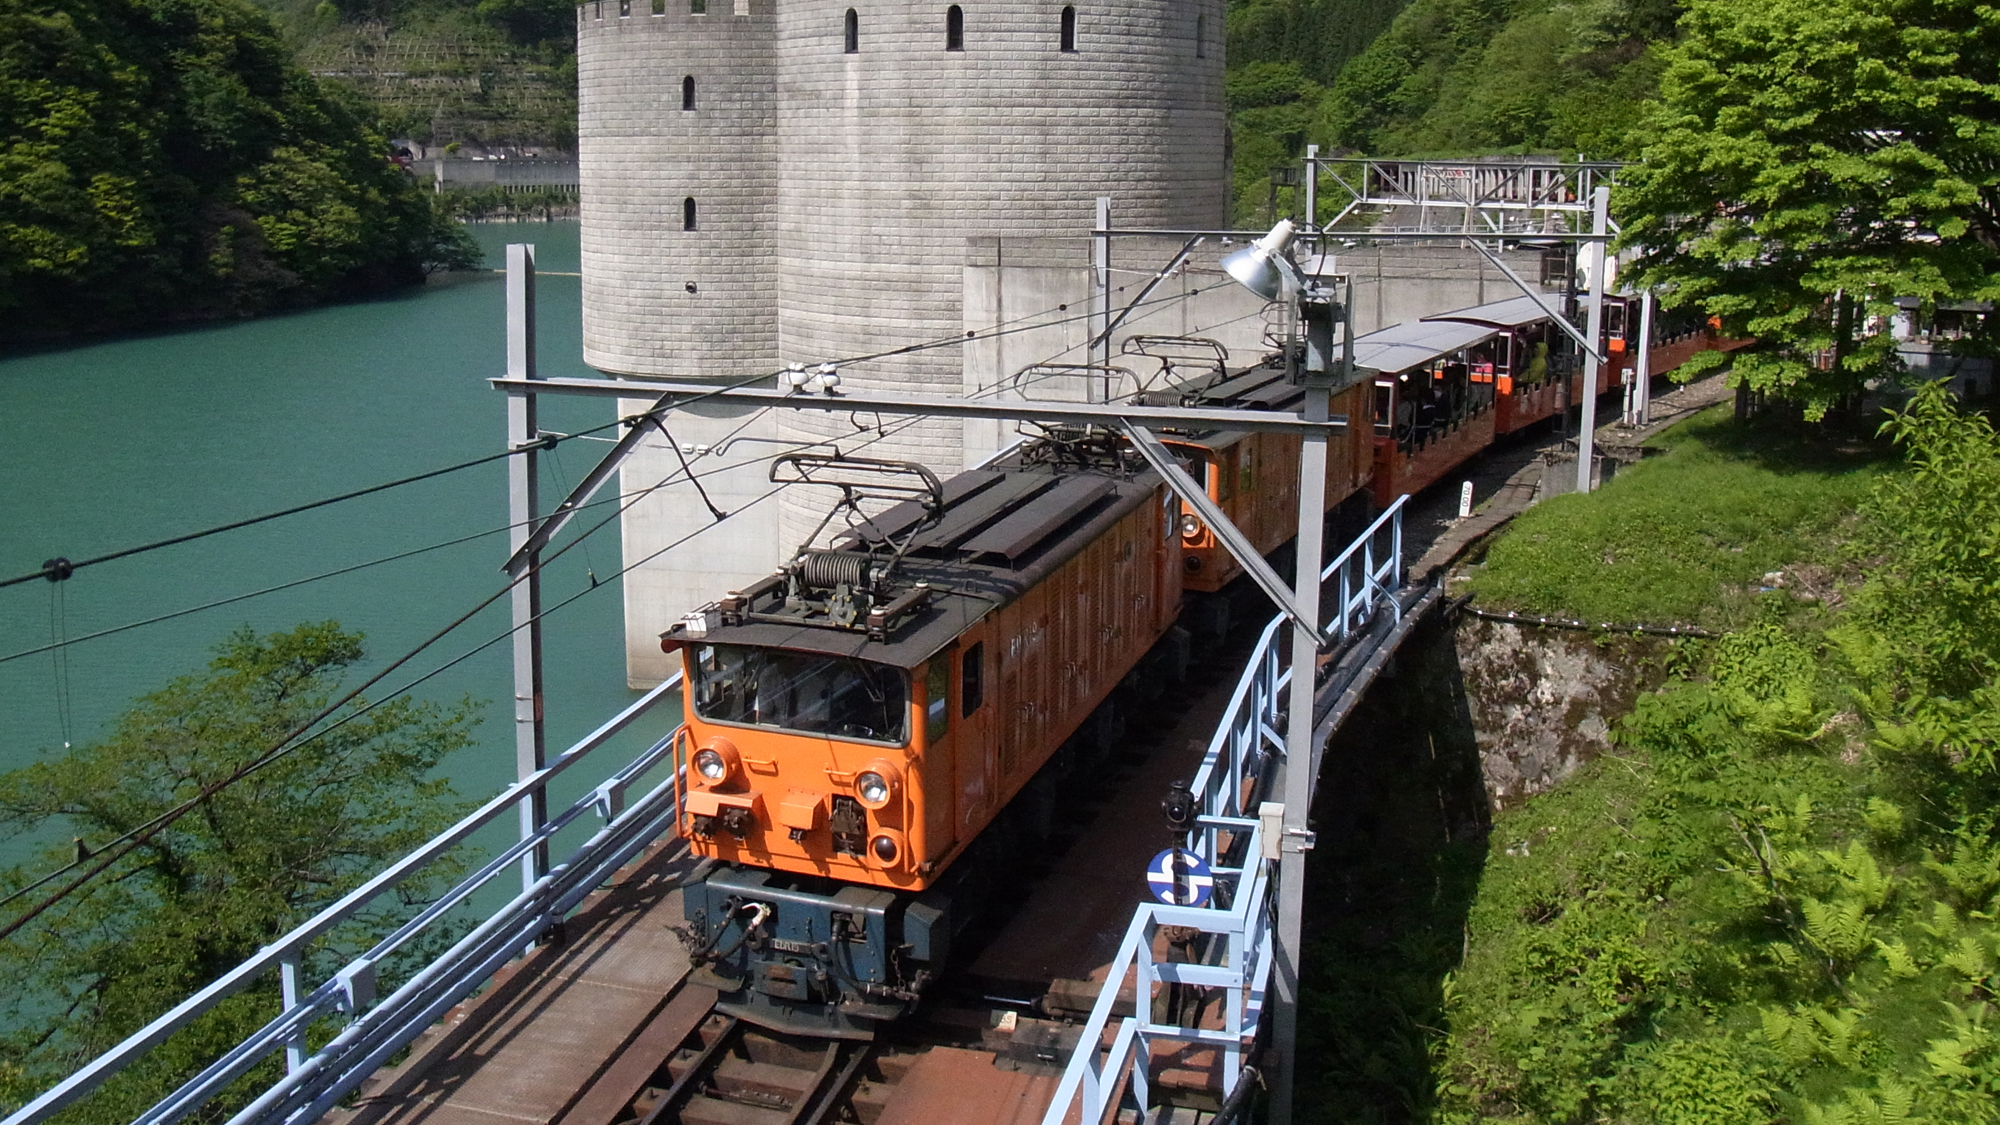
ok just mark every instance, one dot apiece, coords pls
pixel 1472 197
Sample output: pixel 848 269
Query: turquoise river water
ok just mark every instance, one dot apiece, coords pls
pixel 125 441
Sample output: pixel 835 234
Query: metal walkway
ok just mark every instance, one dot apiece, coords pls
pixel 598 1008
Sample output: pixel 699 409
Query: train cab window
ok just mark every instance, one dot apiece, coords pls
pixel 937 699
pixel 1226 479
pixel 972 679
pixel 801 692
pixel 1246 478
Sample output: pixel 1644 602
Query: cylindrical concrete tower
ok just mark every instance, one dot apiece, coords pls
pixel 906 127
pixel 836 160
pixel 677 144
pixel 677 151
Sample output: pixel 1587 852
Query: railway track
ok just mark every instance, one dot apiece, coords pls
pixel 728 1072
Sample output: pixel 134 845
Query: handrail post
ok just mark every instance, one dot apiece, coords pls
pixel 288 976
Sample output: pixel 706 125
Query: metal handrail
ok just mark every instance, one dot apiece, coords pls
pixel 1244 743
pixel 350 989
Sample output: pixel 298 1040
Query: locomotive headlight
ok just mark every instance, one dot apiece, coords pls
pixel 875 786
pixel 710 765
pixel 873 789
pixel 1190 526
pixel 716 762
pixel 887 849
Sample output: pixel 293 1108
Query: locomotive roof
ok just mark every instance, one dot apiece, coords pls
pixel 1003 531
pixel 1260 387
pixel 1413 343
pixel 1513 313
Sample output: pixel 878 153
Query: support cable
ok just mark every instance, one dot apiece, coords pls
pixel 107 855
pixel 60 569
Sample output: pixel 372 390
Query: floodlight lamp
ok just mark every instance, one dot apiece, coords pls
pixel 1263 266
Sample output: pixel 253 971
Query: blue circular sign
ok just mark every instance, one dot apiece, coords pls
pixel 1179 877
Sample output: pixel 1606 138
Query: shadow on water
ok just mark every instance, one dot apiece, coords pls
pixel 1402 822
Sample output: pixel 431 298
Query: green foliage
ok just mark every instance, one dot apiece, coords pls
pixel 1686 537
pixel 1463 76
pixel 254 860
pixel 165 160
pixel 1775 904
pixel 1809 161
pixel 499 203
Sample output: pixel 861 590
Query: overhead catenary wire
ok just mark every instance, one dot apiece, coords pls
pixel 110 853
pixel 60 569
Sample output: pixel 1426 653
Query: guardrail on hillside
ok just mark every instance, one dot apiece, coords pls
pixel 315 1081
pixel 1231 839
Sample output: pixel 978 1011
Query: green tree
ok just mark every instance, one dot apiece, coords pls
pixel 164 159
pixel 249 863
pixel 1476 76
pixel 1808 162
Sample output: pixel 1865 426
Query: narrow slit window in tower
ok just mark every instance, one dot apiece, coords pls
pixel 1201 37
pixel 853 32
pixel 1069 29
pixel 954 28
pixel 687 213
pixel 659 7
pixel 697 7
pixel 687 92
pixel 624 9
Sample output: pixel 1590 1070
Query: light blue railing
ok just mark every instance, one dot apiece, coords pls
pixel 1243 910
pixel 377 1028
pixel 315 1080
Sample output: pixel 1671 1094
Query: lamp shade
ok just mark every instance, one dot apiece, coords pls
pixel 1260 266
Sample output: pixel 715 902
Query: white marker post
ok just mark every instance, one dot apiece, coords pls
pixel 1465 500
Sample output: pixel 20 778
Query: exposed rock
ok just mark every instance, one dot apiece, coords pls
pixel 1543 701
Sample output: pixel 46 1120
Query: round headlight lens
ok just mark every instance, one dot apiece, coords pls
pixel 710 765
pixel 885 849
pixel 873 789
pixel 1190 526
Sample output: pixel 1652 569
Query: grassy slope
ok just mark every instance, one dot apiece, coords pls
pixel 1686 537
pixel 1775 902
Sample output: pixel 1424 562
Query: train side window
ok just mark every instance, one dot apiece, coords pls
pixel 972 679
pixel 937 699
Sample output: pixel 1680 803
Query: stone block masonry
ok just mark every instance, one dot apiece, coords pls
pixel 835 192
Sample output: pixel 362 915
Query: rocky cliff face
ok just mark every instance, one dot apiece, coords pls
pixel 1543 701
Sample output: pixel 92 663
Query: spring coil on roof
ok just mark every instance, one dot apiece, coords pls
pixel 828 569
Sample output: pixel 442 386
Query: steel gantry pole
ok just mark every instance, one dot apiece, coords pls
pixel 1100 261
pixel 1643 368
pixel 1297 838
pixel 1586 432
pixel 523 509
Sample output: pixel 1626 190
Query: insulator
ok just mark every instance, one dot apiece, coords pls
pixel 827 569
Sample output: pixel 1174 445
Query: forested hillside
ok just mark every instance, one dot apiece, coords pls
pixel 1437 77
pixel 166 160
pixel 484 73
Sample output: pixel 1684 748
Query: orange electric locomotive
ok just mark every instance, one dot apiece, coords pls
pixel 859 718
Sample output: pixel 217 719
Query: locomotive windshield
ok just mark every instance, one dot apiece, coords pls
pixel 835 696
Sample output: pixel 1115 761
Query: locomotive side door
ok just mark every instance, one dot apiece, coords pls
pixel 973 744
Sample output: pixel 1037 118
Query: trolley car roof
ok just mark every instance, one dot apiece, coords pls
pixel 1511 314
pixel 1414 343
